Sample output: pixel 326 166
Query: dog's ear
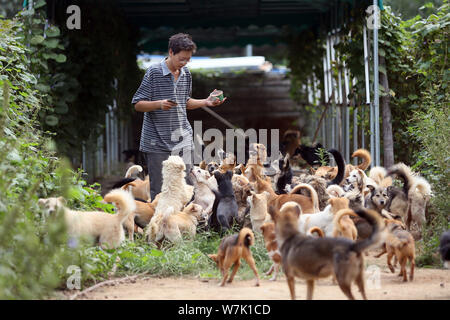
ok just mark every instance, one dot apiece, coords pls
pixel 202 165
pixel 62 200
pixel 41 202
pixel 371 187
pixel 297 211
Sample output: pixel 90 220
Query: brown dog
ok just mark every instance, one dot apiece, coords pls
pixel 231 250
pixel 308 205
pixel 268 231
pixel 313 258
pixel 344 226
pixel 400 244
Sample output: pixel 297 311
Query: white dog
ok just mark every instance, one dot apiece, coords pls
pixel 105 227
pixel 322 219
pixel 202 190
pixel 175 192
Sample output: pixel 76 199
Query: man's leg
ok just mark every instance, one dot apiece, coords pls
pixel 154 163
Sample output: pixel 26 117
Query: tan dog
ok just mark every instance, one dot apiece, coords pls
pixel 185 222
pixel 344 226
pixel 308 205
pixel 400 243
pixel 258 210
pixel 313 258
pixel 242 190
pixel 268 231
pixel 231 250
pixel 140 217
pixel 139 188
pixel 106 228
pixel 228 163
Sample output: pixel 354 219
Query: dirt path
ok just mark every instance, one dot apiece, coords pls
pixel 428 284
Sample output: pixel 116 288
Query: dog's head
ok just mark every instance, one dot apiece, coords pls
pixel 260 150
pixel 258 199
pixel 52 205
pixel 286 219
pixel 338 204
pixel 212 166
pixel 195 210
pixel 198 175
pixel 379 196
pixel 357 179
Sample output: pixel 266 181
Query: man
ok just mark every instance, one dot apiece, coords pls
pixel 164 95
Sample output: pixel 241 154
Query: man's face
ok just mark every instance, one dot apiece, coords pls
pixel 180 59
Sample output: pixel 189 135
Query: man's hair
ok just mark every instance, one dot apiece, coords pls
pixel 181 41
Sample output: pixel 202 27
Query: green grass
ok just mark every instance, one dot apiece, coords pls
pixel 187 258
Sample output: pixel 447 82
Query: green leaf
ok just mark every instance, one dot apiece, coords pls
pixel 51 43
pixel 61 58
pixel 51 120
pixel 37 39
pixel 39 4
pixel 52 31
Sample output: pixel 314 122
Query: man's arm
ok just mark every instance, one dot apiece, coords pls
pixel 192 104
pixel 198 103
pixel 146 106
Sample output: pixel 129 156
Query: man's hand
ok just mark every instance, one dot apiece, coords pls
pixel 167 104
pixel 212 101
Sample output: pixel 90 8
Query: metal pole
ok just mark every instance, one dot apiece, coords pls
pixel 376 97
pixel 367 83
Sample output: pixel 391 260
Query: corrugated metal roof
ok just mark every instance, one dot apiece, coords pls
pixel 232 22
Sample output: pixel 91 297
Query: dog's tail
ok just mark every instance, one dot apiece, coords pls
pixel 377 174
pixel 316 230
pixel 337 226
pixel 133 171
pixel 378 227
pixel 245 237
pixel 312 191
pixel 341 167
pixel 403 172
pixel 335 191
pixel 124 202
pixel 365 155
pixel 422 186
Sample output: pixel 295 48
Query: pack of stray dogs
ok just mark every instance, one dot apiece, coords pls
pixel 315 223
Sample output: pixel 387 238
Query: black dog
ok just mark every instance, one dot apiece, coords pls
pixel 311 154
pixel 444 248
pixel 225 208
pixel 285 176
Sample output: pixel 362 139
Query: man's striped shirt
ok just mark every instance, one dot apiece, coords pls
pixel 165 130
